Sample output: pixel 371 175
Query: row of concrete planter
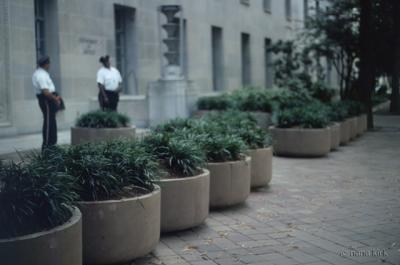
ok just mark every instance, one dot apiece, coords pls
pixel 122 230
pixel 299 142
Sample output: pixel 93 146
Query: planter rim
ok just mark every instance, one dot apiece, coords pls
pixel 299 129
pixel 262 148
pixel 247 159
pixel 75 218
pixel 334 124
pixel 103 129
pixel 204 173
pixel 156 190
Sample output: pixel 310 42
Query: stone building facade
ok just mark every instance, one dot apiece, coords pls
pixel 224 47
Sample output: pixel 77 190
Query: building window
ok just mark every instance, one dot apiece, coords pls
pixel 269 65
pixel 245 2
pixel 125 43
pixel 288 9
pixel 246 59
pixel 305 3
pixel 40 31
pixel 217 58
pixel 267 6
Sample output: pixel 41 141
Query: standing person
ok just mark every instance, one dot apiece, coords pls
pixel 109 82
pixel 49 101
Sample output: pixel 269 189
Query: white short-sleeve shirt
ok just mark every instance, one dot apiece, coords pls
pixel 110 78
pixel 41 80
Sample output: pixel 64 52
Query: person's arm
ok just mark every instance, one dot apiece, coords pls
pixel 50 96
pixel 102 90
pixel 119 82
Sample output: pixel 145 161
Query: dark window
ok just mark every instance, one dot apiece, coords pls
pixel 288 9
pixel 269 65
pixel 246 59
pixel 245 2
pixel 267 6
pixel 125 47
pixel 217 58
pixel 40 31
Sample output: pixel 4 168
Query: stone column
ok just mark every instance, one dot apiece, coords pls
pixel 4 63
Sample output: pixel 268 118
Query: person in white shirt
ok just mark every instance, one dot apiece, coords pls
pixel 109 82
pixel 49 101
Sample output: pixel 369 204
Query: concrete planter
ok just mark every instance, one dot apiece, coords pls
pixel 261 166
pixel 201 113
pixel 263 118
pixel 80 135
pixel 119 231
pixel 344 132
pixel 362 123
pixel 184 202
pixel 353 127
pixel 229 182
pixel 299 142
pixel 335 136
pixel 61 245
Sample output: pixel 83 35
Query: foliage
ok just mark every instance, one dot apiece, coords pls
pixel 102 119
pixel 314 115
pixel 322 92
pixel 337 111
pixel 33 198
pixel 222 147
pixel 251 99
pixel 104 171
pixel 354 108
pixel 221 102
pixel 289 99
pixel 178 153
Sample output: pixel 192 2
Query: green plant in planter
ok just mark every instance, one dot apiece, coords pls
pixel 322 92
pixel 337 111
pixel 103 119
pixel 222 147
pixel 174 125
pixel 33 198
pixel 251 99
pixel 314 115
pixel 179 154
pixel 107 170
pixel 354 108
pixel 221 102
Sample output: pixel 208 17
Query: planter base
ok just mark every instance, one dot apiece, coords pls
pixel 61 245
pixel 261 166
pixel 89 135
pixel 335 136
pixel 229 182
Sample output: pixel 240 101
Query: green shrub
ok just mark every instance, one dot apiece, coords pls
pixel 221 102
pixel 102 119
pixel 33 198
pixel 241 124
pixel 322 92
pixel 174 125
pixel 314 115
pixel 286 99
pixel 251 99
pixel 222 147
pixel 105 171
pixel 337 111
pixel 354 108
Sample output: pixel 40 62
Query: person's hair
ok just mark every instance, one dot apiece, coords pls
pixel 104 59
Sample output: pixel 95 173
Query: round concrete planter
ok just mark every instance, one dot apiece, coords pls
pixel 335 136
pixel 80 135
pixel 353 127
pixel 344 132
pixel 184 202
pixel 61 245
pixel 263 118
pixel 119 231
pixel 229 182
pixel 261 166
pixel 299 142
pixel 362 123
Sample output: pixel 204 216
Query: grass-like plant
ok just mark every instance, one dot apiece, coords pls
pixel 107 170
pixel 33 198
pixel 103 119
pixel 221 102
pixel 354 108
pixel 251 99
pixel 314 115
pixel 337 111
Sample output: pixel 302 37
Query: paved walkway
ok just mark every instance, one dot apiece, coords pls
pixel 343 209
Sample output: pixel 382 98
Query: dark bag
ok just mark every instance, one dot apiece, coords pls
pixel 62 104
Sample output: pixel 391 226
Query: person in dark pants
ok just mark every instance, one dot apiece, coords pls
pixel 109 82
pixel 49 101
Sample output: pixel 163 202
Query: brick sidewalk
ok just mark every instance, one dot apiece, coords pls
pixel 342 209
